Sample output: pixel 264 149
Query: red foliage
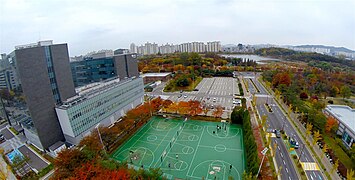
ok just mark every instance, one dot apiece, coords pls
pixel 195 107
pixel 218 111
pixel 66 161
pixel 167 103
pixel 93 171
pixel 281 78
pixel 304 95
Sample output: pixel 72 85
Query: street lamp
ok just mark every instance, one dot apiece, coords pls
pixel 264 153
pixel 97 128
pixel 299 158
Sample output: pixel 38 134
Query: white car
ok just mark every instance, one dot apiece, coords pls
pixel 214 99
pixel 185 96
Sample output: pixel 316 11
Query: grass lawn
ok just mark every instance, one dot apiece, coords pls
pixel 191 87
pixel 341 101
pixel 338 151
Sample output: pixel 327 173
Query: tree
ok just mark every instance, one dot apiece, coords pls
pixel 218 112
pixel 248 176
pixel 335 166
pixel 331 123
pixel 350 174
pixel 166 104
pixel 304 95
pixel 309 127
pixel 316 137
pixel 345 91
pixel 325 149
pixel 205 110
pixel 66 162
pixel 173 107
pixel 281 78
pixel 195 107
pixel 156 103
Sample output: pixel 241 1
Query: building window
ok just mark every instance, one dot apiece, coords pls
pixel 346 138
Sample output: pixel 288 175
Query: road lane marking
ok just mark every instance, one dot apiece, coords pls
pixel 310 166
pixel 281 155
pixel 286 170
pixel 284 162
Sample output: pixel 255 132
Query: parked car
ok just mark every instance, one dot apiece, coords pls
pixel 195 89
pixel 214 99
pixel 2 137
pixel 179 96
pixel 185 96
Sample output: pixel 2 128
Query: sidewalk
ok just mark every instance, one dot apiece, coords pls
pixel 8 173
pixel 301 130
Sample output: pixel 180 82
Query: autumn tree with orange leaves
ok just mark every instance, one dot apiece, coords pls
pixel 331 125
pixel 195 107
pixel 183 107
pixel 281 78
pixel 218 112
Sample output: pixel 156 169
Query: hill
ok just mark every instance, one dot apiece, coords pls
pixel 315 59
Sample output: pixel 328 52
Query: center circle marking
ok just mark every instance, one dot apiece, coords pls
pixel 152 138
pixel 220 148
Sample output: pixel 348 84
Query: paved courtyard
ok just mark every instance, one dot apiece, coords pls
pixel 212 91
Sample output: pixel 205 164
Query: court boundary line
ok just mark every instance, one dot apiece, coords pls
pixel 193 172
pixel 187 132
pixel 135 134
pixel 193 158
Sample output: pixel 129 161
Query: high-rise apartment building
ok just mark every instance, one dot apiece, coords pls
pixel 46 80
pixel 200 47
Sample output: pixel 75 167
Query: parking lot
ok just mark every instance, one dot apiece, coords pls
pixel 212 92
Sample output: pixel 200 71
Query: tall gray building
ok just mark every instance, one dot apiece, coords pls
pixel 46 80
pixel 126 65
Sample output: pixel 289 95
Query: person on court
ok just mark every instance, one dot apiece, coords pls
pixel 230 167
pixel 169 165
pixel 177 156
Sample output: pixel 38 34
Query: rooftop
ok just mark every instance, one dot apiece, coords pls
pixel 91 90
pixel 155 74
pixel 345 114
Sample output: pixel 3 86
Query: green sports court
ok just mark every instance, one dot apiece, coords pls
pixel 186 149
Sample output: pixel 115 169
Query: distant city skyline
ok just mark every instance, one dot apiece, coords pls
pixel 92 25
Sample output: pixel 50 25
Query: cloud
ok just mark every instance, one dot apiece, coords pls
pixel 92 24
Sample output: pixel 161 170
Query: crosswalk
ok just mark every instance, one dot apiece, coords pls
pixel 310 166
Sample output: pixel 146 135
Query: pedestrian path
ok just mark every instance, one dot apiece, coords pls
pixel 310 166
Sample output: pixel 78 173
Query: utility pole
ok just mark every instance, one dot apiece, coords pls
pixel 103 146
pixel 264 153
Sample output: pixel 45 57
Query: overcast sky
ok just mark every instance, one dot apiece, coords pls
pixel 88 25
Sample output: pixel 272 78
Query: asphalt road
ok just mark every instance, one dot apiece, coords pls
pixel 277 120
pixel 281 155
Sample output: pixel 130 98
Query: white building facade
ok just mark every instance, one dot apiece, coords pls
pixel 103 103
pixel 346 121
